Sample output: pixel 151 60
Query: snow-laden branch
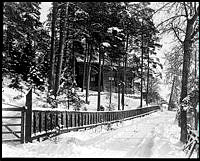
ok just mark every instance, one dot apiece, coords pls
pixel 171 18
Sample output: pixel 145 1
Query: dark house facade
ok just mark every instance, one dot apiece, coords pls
pixel 109 78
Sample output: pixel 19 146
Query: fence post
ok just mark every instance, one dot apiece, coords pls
pixel 28 123
pixel 22 125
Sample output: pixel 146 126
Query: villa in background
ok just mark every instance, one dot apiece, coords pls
pixel 110 78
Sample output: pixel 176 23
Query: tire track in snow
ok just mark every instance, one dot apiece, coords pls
pixel 131 140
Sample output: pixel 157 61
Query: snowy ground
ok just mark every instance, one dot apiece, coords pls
pixel 16 97
pixel 130 103
pixel 153 136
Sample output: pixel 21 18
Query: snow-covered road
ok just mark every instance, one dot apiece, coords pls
pixel 155 135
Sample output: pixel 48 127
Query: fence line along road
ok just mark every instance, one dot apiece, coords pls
pixel 55 121
pixel 36 123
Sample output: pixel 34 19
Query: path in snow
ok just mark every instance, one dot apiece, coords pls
pixel 155 135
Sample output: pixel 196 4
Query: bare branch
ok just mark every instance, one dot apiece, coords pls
pixel 171 18
pixel 165 31
pixel 179 29
pixel 186 12
pixel 176 34
pixel 161 8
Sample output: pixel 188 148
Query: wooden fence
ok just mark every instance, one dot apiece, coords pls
pixel 39 123
pixel 46 122
pixel 192 143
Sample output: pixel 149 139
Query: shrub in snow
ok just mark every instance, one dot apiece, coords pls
pixel 111 107
pixel 84 108
pixel 101 108
pixel 15 83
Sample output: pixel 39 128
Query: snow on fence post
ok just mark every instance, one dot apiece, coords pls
pixel 28 123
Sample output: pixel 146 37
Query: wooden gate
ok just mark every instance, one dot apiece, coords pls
pixel 13 124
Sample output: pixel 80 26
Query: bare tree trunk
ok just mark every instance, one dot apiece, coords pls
pixel 84 68
pixel 64 9
pixel 122 85
pixel 171 94
pixel 124 73
pixel 99 82
pixel 195 110
pixel 147 91
pixel 126 59
pixel 74 63
pixel 141 84
pixel 103 72
pixel 111 85
pixel 187 44
pixel 52 58
pixel 88 68
pixel 118 84
pixel 185 72
pixel 88 79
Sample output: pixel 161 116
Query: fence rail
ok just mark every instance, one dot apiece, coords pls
pixel 52 121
